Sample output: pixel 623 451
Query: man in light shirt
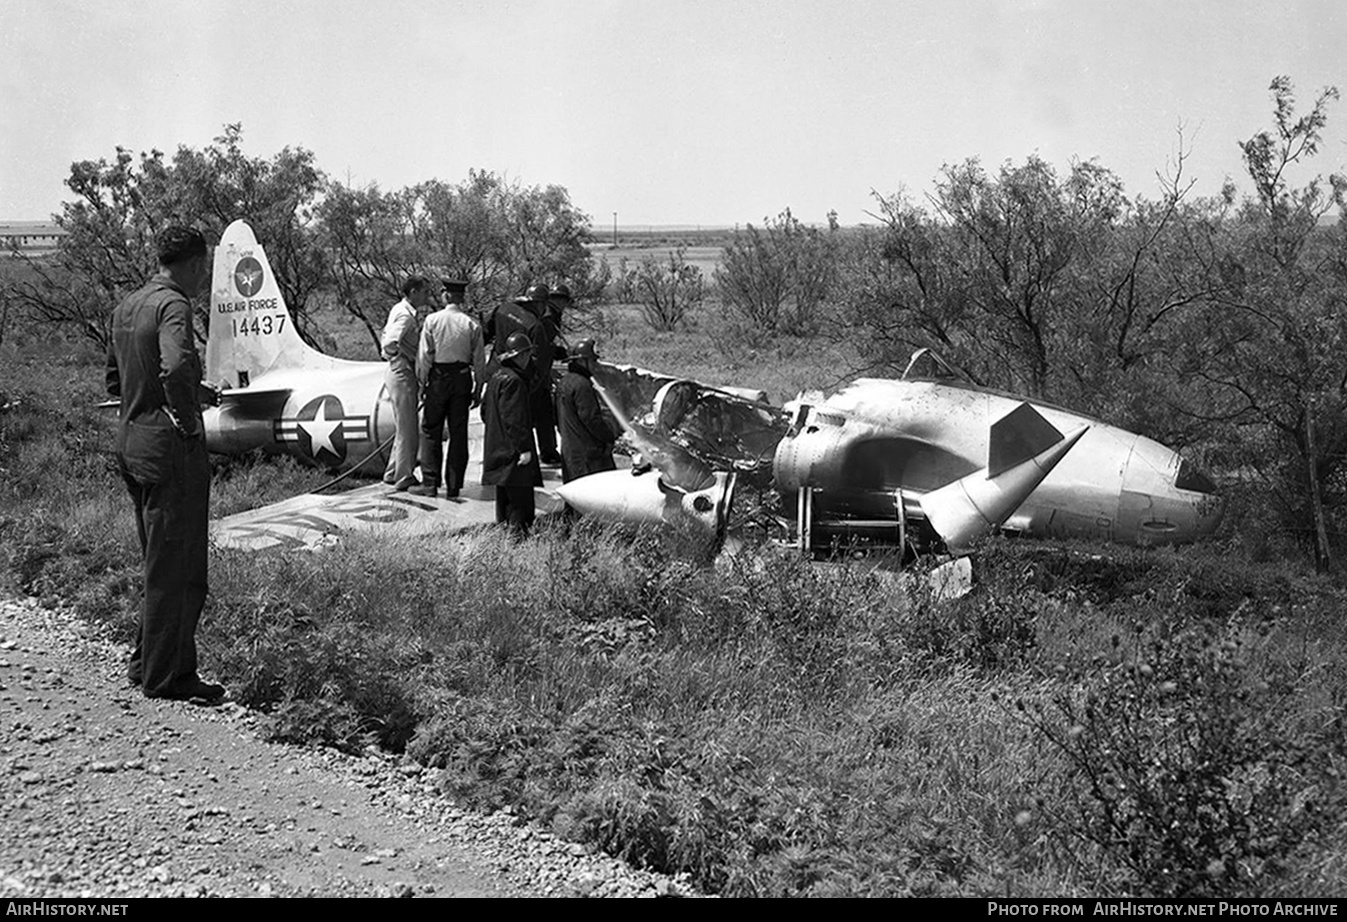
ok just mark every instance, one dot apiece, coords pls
pixel 450 367
pixel 400 339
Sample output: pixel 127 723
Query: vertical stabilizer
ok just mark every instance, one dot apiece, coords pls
pixel 979 503
pixel 251 331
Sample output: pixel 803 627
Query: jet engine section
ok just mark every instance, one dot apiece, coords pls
pixel 842 478
pixel 243 422
pixel 854 480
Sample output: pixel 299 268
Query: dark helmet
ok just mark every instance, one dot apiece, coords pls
pixel 561 292
pixel 536 292
pixel 584 349
pixel 516 344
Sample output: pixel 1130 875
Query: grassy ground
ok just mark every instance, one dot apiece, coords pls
pixel 1090 721
pixel 783 368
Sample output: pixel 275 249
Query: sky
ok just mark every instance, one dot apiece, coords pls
pixel 667 112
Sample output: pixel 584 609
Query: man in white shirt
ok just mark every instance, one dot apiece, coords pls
pixel 400 339
pixel 450 366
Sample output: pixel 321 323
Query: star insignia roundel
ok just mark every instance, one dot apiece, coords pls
pixel 321 430
pixel 248 276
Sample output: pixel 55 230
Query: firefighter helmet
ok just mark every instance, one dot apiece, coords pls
pixel 516 344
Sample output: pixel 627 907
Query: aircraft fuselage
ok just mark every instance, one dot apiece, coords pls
pixel 878 442
pixel 334 418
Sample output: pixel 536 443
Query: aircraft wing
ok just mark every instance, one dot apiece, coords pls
pixel 314 520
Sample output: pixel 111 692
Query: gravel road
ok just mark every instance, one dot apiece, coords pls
pixel 105 793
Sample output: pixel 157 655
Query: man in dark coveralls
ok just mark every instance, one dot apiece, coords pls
pixel 508 460
pixel 153 367
pixel 586 436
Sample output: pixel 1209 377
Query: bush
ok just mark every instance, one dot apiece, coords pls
pixel 666 291
pixel 1190 769
pixel 330 666
pixel 778 278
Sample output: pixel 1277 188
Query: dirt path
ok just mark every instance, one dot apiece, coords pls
pixel 106 793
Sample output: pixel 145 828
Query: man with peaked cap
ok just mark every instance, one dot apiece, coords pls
pixel 508 459
pixel 451 367
pixel 586 436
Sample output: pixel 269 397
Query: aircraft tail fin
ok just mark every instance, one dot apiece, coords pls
pixel 980 502
pixel 251 331
pixel 1018 436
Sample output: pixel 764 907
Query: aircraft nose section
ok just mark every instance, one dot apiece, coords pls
pixel 1166 499
pixel 1209 510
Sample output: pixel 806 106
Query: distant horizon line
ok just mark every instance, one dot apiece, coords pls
pixel 621 228
pixel 600 231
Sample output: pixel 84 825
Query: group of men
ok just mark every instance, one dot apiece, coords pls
pixel 154 369
pixel 443 362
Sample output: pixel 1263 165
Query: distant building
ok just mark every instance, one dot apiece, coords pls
pixel 30 235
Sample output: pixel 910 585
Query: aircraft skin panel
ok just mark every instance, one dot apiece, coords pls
pixel 313 520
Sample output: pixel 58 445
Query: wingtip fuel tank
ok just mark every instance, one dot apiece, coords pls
pixel 647 499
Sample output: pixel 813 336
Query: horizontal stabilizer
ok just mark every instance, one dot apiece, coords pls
pixel 1018 436
pixel 267 402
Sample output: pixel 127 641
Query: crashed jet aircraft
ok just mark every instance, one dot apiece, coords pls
pixel 928 461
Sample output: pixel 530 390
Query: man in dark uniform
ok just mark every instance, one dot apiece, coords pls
pixel 153 367
pixel 586 436
pixel 450 366
pixel 527 314
pixel 508 460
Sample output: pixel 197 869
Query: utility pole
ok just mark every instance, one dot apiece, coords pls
pixel 614 228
